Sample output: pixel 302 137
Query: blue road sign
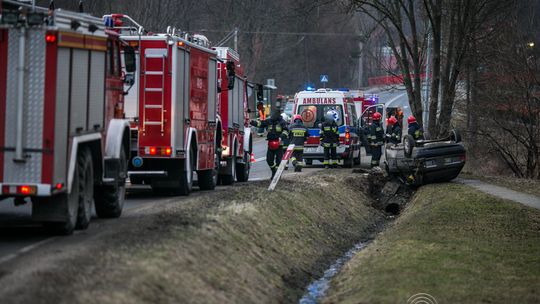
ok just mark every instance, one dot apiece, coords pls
pixel 324 78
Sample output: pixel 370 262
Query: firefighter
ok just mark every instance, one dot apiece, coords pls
pixel 393 131
pixel 298 134
pixel 329 137
pixel 415 130
pixel 261 115
pixel 277 130
pixel 376 139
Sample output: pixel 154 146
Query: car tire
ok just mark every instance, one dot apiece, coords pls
pixel 455 136
pixel 408 145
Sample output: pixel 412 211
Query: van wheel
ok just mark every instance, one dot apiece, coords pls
pixel 242 170
pixel 85 171
pixel 109 199
pixel 357 161
pixel 348 163
pixel 208 178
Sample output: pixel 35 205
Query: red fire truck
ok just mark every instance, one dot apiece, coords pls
pixel 233 130
pixel 63 141
pixel 172 109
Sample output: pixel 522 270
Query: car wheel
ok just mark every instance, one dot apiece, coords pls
pixel 408 145
pixel 455 135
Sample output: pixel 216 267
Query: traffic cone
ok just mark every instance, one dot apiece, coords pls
pixel 252 160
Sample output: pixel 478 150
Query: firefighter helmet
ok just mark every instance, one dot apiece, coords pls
pixel 297 117
pixel 331 115
pixel 411 119
pixel 392 120
pixel 376 116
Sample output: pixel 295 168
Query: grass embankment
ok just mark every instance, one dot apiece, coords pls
pixel 454 243
pixel 243 245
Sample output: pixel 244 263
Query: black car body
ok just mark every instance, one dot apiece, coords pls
pixel 426 161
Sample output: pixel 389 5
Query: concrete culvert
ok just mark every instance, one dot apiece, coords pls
pixel 392 208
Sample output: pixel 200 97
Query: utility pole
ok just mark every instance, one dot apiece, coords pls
pixel 236 39
pixel 425 112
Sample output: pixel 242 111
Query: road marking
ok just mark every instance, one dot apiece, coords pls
pixel 256 179
pixel 26 249
pixel 260 159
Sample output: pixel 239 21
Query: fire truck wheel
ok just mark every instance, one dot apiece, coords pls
pixel 69 204
pixel 208 179
pixel 242 170
pixel 109 200
pixel 85 173
pixel 229 179
pixel 186 177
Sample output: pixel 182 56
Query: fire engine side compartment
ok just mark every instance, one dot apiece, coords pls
pixel 64 98
pixel 3 79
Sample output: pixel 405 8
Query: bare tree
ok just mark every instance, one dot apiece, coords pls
pixel 508 109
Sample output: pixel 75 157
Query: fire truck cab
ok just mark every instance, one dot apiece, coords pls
pixel 312 106
pixel 233 132
pixel 171 108
pixel 63 139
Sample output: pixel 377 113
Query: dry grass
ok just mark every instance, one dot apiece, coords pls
pixel 457 244
pixel 243 245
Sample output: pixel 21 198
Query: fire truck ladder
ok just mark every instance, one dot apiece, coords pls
pixel 156 60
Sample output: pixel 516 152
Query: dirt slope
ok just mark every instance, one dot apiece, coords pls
pixel 236 246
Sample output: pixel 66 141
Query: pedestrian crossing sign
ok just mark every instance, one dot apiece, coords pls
pixel 324 78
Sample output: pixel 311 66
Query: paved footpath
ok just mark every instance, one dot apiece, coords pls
pixel 502 192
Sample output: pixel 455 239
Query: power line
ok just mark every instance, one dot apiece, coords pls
pixel 283 33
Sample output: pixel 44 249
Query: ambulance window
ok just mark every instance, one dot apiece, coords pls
pixel 313 115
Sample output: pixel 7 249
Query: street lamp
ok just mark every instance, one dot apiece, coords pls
pixel 530 44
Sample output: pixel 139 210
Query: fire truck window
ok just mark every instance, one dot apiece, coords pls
pixel 314 114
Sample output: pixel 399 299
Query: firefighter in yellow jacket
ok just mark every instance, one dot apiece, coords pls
pixel 329 136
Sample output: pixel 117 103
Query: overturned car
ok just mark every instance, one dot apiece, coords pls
pixel 426 161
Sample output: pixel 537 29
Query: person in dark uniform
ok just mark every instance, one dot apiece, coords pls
pixel 277 130
pixel 393 131
pixel 415 130
pixel 376 139
pixel 261 115
pixel 329 137
pixel 298 134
